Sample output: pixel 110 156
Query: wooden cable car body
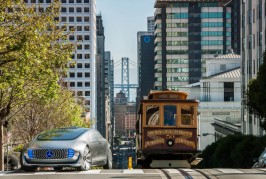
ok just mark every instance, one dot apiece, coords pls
pixel 167 130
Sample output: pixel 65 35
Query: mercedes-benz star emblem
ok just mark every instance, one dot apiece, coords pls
pixel 49 154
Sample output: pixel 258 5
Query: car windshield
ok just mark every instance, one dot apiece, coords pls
pixel 263 155
pixel 61 134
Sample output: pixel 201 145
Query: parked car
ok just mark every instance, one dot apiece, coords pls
pixel 67 147
pixel 261 161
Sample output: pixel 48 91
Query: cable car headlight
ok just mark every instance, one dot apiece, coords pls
pixel 170 142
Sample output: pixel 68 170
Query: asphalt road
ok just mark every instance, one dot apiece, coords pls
pixel 140 174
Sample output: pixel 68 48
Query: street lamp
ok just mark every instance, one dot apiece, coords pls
pixel 205 134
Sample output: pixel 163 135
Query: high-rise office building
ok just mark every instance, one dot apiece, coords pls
pixel 150 24
pixel 253 46
pixel 145 41
pixel 145 64
pixel 186 33
pixel 81 16
pixel 100 124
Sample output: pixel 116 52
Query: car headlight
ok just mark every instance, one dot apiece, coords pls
pixel 70 153
pixel 30 153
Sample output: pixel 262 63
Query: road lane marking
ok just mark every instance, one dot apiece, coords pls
pixel 133 171
pixel 229 171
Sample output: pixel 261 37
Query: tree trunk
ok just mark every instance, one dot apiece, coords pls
pixel 1 147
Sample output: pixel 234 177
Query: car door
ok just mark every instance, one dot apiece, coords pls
pixel 102 148
pixel 94 146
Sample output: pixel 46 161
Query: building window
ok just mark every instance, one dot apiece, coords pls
pixel 71 9
pixel 79 37
pixel 79 9
pixel 72 65
pixel 87 65
pixel 87 47
pixel 86 19
pixel 87 74
pixel 87 37
pixel 79 84
pixel 87 56
pixel 87 93
pixel 86 9
pixel 48 1
pixel 72 84
pixel 71 28
pixel 63 19
pixel 79 65
pixel 41 9
pixel 86 1
pixel 86 28
pixel 87 84
pixel 79 56
pixel 79 75
pixel 87 102
pixel 63 9
pixel 228 91
pixel 71 19
pixel 79 19
pixel 72 75
pixel 79 47
pixel 79 28
pixel 71 1
pixel 78 1
pixel 71 37
pixel 63 1
pixel 79 93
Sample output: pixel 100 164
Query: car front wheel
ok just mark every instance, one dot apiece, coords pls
pixel 86 160
pixel 109 160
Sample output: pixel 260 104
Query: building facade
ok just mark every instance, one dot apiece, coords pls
pixel 100 65
pixel 150 24
pixel 219 93
pixel 79 16
pixel 145 64
pixel 185 33
pixel 253 46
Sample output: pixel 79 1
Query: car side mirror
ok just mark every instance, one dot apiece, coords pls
pixel 255 160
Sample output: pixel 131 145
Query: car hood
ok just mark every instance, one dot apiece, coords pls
pixel 55 144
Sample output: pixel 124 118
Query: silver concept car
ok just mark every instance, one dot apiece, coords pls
pixel 67 147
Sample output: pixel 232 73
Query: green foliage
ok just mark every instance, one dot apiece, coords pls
pixel 36 116
pixel 256 95
pixel 234 151
pixel 18 148
pixel 33 54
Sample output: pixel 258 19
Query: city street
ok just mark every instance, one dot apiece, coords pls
pixel 140 173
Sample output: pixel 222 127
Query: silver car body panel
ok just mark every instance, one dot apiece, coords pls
pixel 99 151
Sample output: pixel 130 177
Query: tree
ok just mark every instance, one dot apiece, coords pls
pixel 62 111
pixel 33 54
pixel 233 151
pixel 256 96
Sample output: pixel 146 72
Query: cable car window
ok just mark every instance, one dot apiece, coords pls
pixel 169 115
pixel 152 115
pixel 187 113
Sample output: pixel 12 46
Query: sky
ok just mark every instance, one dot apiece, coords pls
pixel 122 19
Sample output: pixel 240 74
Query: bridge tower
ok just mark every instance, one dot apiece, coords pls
pixel 125 77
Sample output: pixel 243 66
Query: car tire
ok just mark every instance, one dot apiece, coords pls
pixel 86 160
pixel 13 162
pixel 109 161
pixel 26 168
